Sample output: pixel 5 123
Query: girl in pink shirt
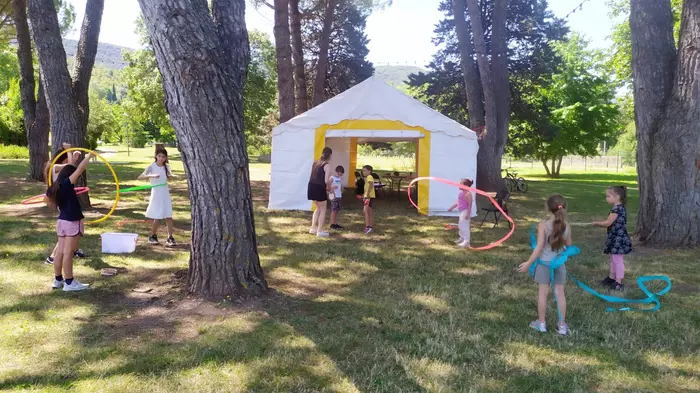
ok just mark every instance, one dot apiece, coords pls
pixel 464 206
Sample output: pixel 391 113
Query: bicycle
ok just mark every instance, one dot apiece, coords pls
pixel 513 182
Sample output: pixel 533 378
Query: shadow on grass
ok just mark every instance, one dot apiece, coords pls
pixel 400 310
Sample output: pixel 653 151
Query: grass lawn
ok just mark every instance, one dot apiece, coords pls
pixel 400 310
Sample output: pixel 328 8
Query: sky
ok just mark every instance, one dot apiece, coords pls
pixel 399 35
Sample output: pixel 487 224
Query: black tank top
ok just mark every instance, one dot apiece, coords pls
pixel 318 175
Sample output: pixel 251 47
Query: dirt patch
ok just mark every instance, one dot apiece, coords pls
pixel 260 191
pixel 159 308
pixel 169 321
pixel 19 210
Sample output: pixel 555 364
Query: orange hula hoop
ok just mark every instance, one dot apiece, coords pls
pixel 35 200
pixel 466 188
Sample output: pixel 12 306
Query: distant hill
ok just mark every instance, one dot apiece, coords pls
pixel 396 75
pixel 108 55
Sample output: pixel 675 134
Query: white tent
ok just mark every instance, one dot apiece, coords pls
pixel 371 111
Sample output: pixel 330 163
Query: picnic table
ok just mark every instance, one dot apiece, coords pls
pixel 395 181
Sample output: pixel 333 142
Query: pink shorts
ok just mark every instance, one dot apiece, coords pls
pixel 69 228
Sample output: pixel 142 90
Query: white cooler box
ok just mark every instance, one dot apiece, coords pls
pixel 119 243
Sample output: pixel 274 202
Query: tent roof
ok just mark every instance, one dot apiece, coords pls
pixel 375 100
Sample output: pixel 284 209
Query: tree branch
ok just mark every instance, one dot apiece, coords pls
pixel 86 53
pixel 4 20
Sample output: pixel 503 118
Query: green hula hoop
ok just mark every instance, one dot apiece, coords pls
pixel 139 188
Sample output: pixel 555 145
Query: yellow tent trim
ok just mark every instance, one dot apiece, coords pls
pixel 353 162
pixel 422 152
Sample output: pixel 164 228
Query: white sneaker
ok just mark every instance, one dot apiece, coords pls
pixel 323 234
pixel 460 240
pixel 312 231
pixel 464 244
pixel 75 286
pixel 57 284
pixel 563 329
pixel 539 326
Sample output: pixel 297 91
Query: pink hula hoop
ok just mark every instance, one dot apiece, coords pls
pixel 35 200
pixel 465 188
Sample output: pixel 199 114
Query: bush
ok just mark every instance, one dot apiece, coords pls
pixel 12 152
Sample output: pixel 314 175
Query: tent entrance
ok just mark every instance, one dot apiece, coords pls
pixel 343 138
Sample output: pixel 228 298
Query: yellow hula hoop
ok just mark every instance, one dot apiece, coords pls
pixel 116 179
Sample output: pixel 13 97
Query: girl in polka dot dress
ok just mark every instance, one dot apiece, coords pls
pixel 618 243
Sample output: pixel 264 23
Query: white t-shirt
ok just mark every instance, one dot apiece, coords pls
pixel 337 182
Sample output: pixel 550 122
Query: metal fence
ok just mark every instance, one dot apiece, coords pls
pixel 607 163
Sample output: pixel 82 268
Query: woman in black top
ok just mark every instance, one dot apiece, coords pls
pixel 317 191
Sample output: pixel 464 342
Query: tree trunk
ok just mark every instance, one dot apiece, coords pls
pixel 322 64
pixel 38 138
pixel 26 63
pixel 499 73
pixel 559 166
pixel 302 99
pixel 475 94
pixel 35 114
pixel 206 111
pixel 283 49
pixel 85 59
pixel 67 99
pixel 66 125
pixel 488 171
pixel 546 167
pixel 667 117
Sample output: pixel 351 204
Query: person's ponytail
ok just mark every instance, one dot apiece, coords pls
pixel 557 206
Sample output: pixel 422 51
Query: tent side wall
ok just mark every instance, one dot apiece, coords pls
pixel 451 158
pixel 292 159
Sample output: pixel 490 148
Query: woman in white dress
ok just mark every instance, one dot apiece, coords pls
pixel 160 205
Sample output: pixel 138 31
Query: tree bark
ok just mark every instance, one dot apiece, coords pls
pixel 234 39
pixel 472 84
pixel 488 171
pixel 667 117
pixel 85 58
pixel 283 49
pixel 206 112
pixel 35 114
pixel 322 64
pixel 302 99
